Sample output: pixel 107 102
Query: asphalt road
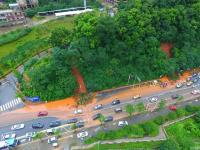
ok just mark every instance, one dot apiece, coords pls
pixel 108 110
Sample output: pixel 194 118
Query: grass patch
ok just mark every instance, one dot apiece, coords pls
pixel 127 146
pixel 185 133
pixel 41 32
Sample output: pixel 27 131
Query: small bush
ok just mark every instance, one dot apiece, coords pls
pixel 150 128
pixel 172 116
pixel 159 120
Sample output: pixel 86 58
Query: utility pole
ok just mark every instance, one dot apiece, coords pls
pixel 85 5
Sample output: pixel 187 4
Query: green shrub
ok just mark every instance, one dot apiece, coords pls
pixel 169 145
pixel 159 120
pixel 180 112
pixel 172 116
pixel 150 128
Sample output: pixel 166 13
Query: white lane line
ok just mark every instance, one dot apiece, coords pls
pixel 8 105
pixel 3 107
pixel 14 101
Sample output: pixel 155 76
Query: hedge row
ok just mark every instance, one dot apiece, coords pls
pixel 14 35
pixel 149 128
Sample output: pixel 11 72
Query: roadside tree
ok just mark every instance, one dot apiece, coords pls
pixel 130 109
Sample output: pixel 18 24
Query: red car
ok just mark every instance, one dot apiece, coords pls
pixel 172 107
pixel 42 113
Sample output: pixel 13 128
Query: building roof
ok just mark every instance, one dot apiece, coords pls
pixel 13 5
pixel 6 11
pixel 68 13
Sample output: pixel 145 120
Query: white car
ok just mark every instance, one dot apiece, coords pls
pixel 9 135
pixel 122 123
pixel 51 131
pixel 30 134
pixel 82 134
pixel 52 140
pixel 136 96
pixel 17 126
pixel 179 85
pixel 189 83
pixel 153 99
pixel 55 144
pixel 78 111
pixel 195 92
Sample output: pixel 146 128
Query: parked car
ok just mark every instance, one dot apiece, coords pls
pixel 108 118
pixel 80 124
pixel 78 111
pixel 55 124
pixel 37 125
pixel 51 131
pixel 73 120
pixel 153 99
pixel 175 96
pixel 179 85
pixel 99 106
pixel 118 110
pixel 52 140
pixel 8 135
pixel 82 134
pixel 17 126
pixel 122 123
pixel 42 113
pixel 137 96
pixel 115 102
pixel 195 92
pixel 172 107
pixel 96 116
pixel 30 134
pixel 189 83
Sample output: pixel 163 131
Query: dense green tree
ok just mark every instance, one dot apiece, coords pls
pixel 129 109
pixel 169 145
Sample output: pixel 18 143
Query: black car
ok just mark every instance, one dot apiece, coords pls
pixel 80 124
pixel 115 102
pixel 108 118
pixel 73 120
pixel 55 124
pixel 175 96
pixel 37 125
pixel 118 110
pixel 96 116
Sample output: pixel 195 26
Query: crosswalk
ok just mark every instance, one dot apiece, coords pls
pixel 10 104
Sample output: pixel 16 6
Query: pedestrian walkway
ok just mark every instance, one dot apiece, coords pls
pixel 11 104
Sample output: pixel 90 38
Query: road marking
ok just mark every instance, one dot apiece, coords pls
pixel 10 104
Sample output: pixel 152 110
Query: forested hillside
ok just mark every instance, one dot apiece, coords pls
pixel 108 50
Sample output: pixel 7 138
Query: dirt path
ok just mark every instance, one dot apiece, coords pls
pixel 79 79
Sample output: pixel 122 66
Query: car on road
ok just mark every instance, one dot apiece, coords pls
pixel 96 116
pixel 179 85
pixel 17 126
pixel 37 125
pixel 82 134
pixel 108 118
pixel 195 92
pixel 122 123
pixel 99 106
pixel 137 96
pixel 175 96
pixel 73 120
pixel 172 107
pixel 195 80
pixel 30 134
pixel 115 102
pixel 153 99
pixel 8 135
pixel 78 111
pixel 51 131
pixel 55 124
pixel 42 113
pixel 52 140
pixel 189 83
pixel 118 110
pixel 80 124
